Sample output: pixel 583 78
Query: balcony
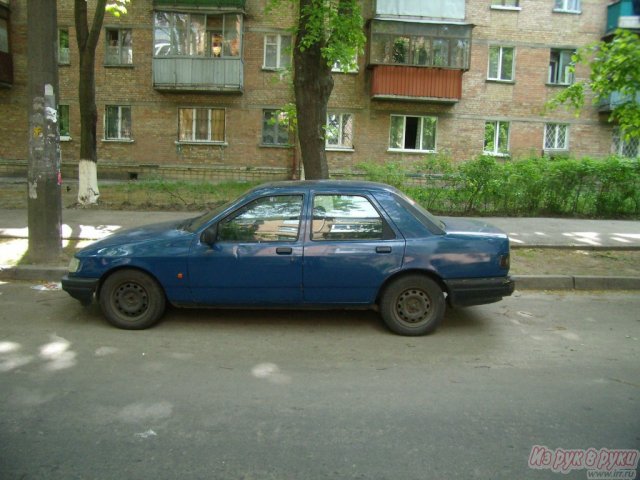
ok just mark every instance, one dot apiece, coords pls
pixel 202 74
pixel 622 14
pixel 438 85
pixel 614 100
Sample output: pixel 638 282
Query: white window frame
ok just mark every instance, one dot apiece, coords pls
pixel 194 124
pixel 279 125
pixel 500 67
pixel 625 148
pixel 64 107
pixel 506 5
pixel 280 64
pixel 63 53
pixel 567 6
pixel 556 147
pixel 496 138
pixel 561 71
pixel 353 66
pixel 418 138
pixel 344 141
pixel 124 53
pixel 120 126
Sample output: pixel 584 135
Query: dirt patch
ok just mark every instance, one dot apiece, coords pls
pixel 550 261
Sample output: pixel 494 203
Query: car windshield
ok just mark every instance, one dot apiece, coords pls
pixel 194 224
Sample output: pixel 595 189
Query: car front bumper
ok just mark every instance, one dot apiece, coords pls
pixel 81 289
pixel 465 292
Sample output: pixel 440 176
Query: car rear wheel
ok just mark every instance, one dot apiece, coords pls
pixel 412 305
pixel 132 300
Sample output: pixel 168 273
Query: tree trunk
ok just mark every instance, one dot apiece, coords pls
pixel 313 84
pixel 88 192
pixel 43 176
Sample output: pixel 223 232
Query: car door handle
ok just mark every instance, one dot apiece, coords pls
pixel 284 250
pixel 383 249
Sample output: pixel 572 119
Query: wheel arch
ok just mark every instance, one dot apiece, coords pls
pixel 415 271
pixel 119 268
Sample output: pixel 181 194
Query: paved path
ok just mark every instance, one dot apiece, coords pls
pixel 92 224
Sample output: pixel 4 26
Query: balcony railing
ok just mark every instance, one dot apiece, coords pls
pixel 621 14
pixel 198 74
pixel 416 83
pixel 6 69
pixel 614 100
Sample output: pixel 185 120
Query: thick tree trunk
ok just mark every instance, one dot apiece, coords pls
pixel 43 176
pixel 313 84
pixel 88 191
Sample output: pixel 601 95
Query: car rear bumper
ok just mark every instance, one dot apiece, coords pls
pixel 81 289
pixel 465 292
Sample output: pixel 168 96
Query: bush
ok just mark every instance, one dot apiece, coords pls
pixel 607 188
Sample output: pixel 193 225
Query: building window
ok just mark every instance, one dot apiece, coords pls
pixel 275 128
pixel 556 136
pixel 352 67
pixel 117 123
pixel 277 51
pixel 63 122
pixel 201 125
pixel 119 50
pixel 339 132
pixel 4 35
pixel 400 43
pixel 501 63
pixel 560 67
pixel 496 138
pixel 625 148
pixel 506 3
pixel 571 6
pixel 197 35
pixel 63 46
pixel 412 133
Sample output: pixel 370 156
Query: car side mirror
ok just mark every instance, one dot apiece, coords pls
pixel 209 235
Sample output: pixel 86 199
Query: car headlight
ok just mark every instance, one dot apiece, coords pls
pixel 74 265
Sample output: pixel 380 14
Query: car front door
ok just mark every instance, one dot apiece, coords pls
pixel 256 257
pixel 350 251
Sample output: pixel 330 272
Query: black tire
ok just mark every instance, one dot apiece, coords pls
pixel 132 300
pixel 412 305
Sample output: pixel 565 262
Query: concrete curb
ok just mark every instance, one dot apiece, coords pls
pixel 523 282
pixel 575 282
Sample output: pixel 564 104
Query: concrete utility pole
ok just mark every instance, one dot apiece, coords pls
pixel 43 176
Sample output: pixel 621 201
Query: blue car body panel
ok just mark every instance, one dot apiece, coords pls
pixel 465 256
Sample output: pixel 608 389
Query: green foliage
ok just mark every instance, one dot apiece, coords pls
pixel 336 25
pixel 117 7
pixel 530 187
pixel 615 69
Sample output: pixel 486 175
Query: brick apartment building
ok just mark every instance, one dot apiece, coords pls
pixel 194 88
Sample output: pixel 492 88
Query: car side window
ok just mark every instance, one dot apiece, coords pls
pixel 274 218
pixel 347 217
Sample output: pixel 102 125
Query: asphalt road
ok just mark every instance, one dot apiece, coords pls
pixel 314 395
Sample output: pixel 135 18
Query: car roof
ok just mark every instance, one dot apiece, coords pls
pixel 337 185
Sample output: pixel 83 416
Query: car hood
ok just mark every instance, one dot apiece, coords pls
pixel 154 232
pixel 470 226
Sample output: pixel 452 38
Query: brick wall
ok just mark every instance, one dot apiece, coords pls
pixel 532 31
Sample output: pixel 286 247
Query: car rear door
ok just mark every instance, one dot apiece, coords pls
pixel 350 250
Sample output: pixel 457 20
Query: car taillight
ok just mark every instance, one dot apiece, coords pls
pixel 505 261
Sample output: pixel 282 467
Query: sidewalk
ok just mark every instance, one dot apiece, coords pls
pixel 85 225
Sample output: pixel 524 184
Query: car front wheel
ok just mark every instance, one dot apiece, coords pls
pixel 412 305
pixel 132 300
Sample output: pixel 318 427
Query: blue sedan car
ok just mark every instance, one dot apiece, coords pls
pixel 336 244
